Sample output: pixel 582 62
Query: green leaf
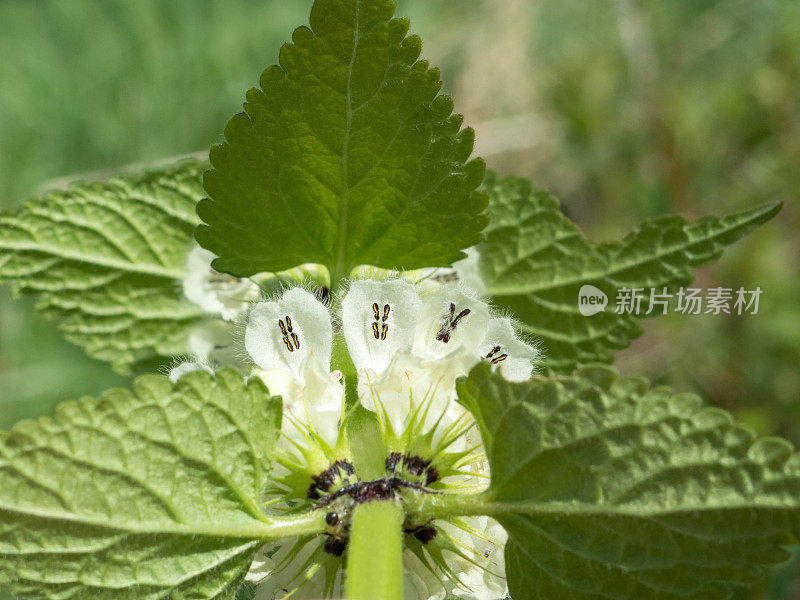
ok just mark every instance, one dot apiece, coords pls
pixel 609 489
pixel 346 155
pixel 146 494
pixel 246 591
pixel 104 258
pixel 535 261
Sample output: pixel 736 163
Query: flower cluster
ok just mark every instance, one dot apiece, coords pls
pixel 408 339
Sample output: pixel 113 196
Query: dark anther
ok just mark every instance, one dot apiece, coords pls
pixel 335 546
pixel 332 519
pixel 290 339
pixel 449 323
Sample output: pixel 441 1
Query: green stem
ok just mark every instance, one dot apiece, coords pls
pixel 307 523
pixel 426 507
pixel 375 555
pixel 338 276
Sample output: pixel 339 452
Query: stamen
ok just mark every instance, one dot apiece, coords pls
pixel 500 358
pixel 379 330
pixel 493 351
pixel 463 313
pixel 289 336
pixel 449 323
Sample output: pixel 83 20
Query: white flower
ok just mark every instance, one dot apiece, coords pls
pixel 214 292
pixel 485 540
pixel 281 568
pixel 379 321
pixel 316 402
pixel 469 273
pixel 465 272
pixel 504 351
pixel 290 341
pixel 450 321
pixel 452 332
pixel 419 582
pixel 213 344
pixel 408 352
pixel 290 334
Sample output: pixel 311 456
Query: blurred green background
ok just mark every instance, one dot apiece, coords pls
pixel 624 109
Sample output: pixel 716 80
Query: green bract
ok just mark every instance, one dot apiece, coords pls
pixel 611 489
pixel 105 260
pixel 149 494
pixel 347 155
pixel 535 261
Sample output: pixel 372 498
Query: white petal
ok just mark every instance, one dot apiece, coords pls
pixel 487 581
pixel 290 334
pixel 214 292
pixel 501 347
pixel 465 272
pixel 379 319
pixel 410 382
pixel 273 583
pixel 212 342
pixel 317 402
pixel 450 320
pixel 468 271
pixel 187 367
pixel 418 581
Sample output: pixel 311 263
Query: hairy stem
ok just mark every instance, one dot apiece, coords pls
pixel 306 523
pixel 426 507
pixel 375 560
